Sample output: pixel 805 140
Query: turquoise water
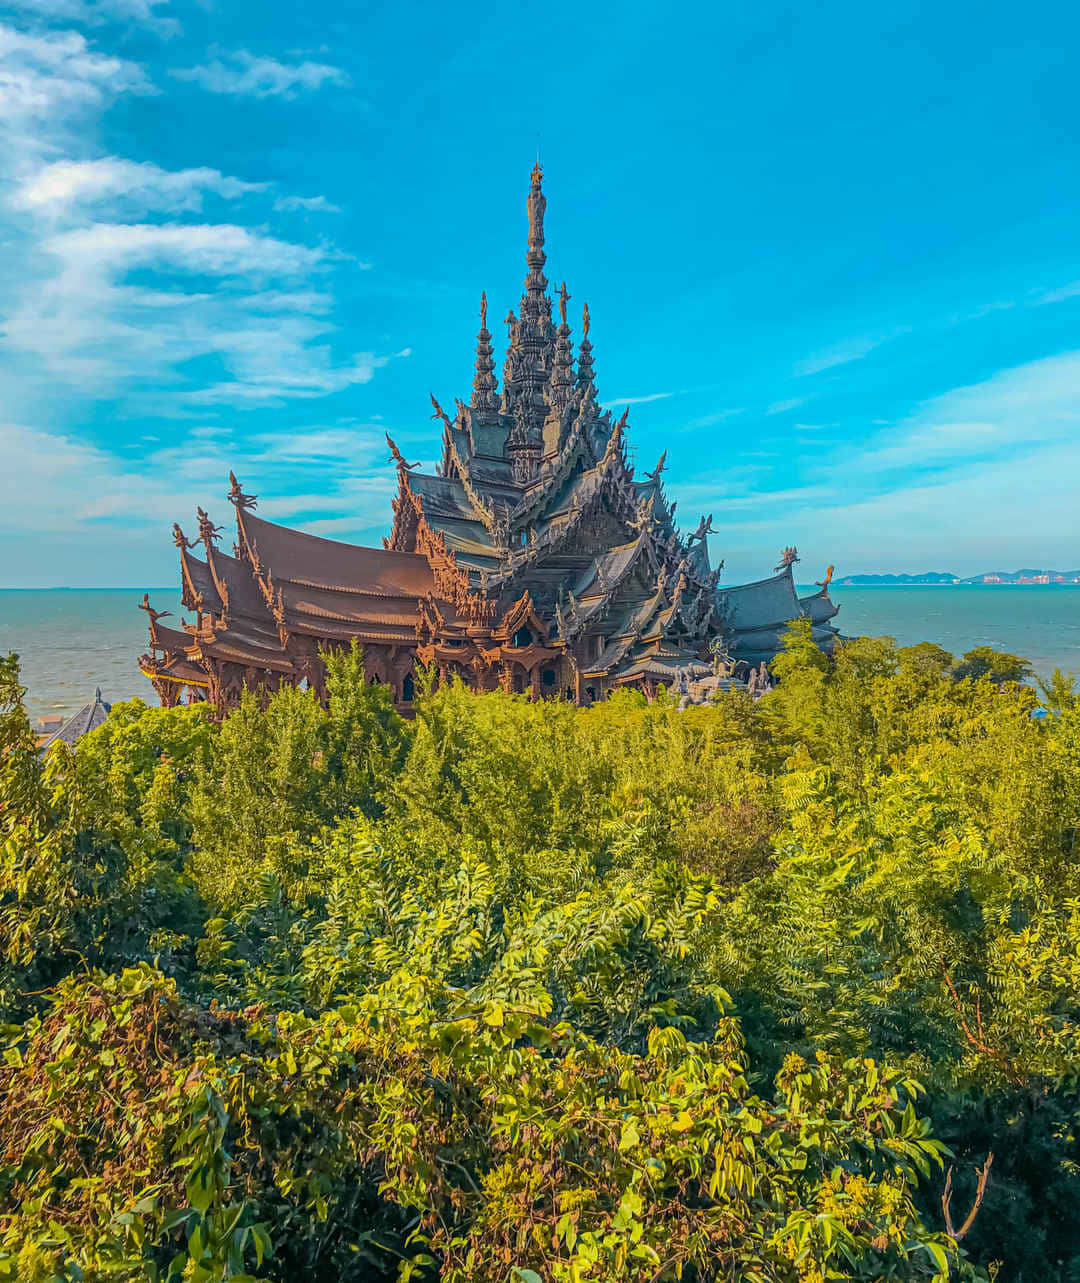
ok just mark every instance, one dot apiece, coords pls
pixel 1040 622
pixel 71 640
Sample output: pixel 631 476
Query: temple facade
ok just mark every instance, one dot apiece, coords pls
pixel 533 559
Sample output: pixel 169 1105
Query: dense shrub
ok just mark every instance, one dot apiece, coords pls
pixel 516 991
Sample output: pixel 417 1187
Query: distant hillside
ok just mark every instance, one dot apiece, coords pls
pixel 1026 576
pixel 879 581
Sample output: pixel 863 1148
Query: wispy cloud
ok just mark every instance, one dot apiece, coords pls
pixel 710 420
pixel 96 12
pixel 310 204
pixel 1059 295
pixel 841 354
pixel 1020 407
pixel 56 483
pixel 141 185
pixel 782 407
pixel 110 290
pixel 50 79
pixel 246 74
pixel 636 400
pixel 216 249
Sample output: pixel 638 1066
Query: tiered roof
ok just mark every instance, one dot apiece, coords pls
pixel 533 525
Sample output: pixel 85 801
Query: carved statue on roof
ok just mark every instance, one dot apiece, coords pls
pixel 564 298
pixel 704 528
pixel 824 583
pixel 237 496
pixel 155 615
pixel 440 413
pixel 643 517
pixel 788 557
pixel 397 455
pixel 208 532
pixel 660 467
pixel 179 538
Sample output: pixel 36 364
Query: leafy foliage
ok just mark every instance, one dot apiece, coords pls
pixel 516 991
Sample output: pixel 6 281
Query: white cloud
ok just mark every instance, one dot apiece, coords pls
pixel 95 12
pixel 52 483
pixel 1026 405
pixel 707 420
pixel 782 407
pixel 56 187
pixel 981 476
pixel 267 381
pixel 52 79
pixel 841 354
pixel 636 400
pixel 1059 295
pixel 312 204
pixel 246 74
pixel 217 249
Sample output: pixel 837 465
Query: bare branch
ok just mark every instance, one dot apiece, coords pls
pixel 983 1174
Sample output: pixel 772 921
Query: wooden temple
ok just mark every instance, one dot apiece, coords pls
pixel 533 560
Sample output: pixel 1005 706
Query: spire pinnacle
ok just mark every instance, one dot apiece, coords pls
pixel 536 203
pixel 585 375
pixel 484 394
pixel 562 370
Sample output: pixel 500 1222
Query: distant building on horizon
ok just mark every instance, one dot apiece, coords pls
pixel 533 559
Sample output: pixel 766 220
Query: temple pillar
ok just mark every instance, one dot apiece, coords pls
pixel 167 692
pixel 534 683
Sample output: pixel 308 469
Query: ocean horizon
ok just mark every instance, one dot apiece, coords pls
pixel 72 640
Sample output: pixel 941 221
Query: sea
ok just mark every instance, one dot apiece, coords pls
pixel 72 640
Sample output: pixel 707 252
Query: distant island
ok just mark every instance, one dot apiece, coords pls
pixel 940 577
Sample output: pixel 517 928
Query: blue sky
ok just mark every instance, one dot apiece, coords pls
pixel 832 255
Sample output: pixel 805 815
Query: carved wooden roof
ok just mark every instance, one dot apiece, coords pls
pixel 535 500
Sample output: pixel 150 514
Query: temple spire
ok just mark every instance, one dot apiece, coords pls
pixel 561 365
pixel 536 202
pixel 484 394
pixel 585 375
pixel 530 352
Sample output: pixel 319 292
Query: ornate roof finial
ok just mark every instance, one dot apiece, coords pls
pixel 536 203
pixel 585 374
pixel 484 388
pixel 208 532
pixel 788 557
pixel 237 496
pixel 402 466
pixel 155 615
pixel 440 413
pixel 178 537
pixel 562 366
pixel 655 474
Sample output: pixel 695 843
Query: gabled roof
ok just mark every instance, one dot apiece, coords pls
pixel 763 604
pixel 88 718
pixel 819 606
pixel 325 563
